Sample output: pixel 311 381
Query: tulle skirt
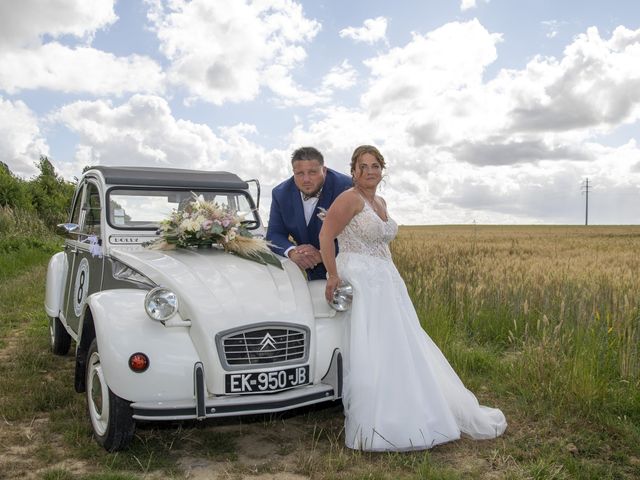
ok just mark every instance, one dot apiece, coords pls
pixel 400 393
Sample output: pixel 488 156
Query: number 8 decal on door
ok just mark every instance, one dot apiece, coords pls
pixel 81 286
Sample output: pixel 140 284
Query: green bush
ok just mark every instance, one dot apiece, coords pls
pixel 13 190
pixel 50 194
pixel 47 194
pixel 17 224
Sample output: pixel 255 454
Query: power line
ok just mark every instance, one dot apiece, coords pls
pixel 585 189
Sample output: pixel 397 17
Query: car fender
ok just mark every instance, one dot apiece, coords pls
pixel 56 274
pixel 123 328
pixel 329 327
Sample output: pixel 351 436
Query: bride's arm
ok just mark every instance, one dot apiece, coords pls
pixel 343 209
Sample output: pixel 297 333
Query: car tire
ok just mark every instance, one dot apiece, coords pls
pixel 59 338
pixel 111 416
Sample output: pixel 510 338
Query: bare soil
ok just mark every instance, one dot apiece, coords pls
pixel 273 450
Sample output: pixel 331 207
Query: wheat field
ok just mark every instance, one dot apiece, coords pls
pixel 556 308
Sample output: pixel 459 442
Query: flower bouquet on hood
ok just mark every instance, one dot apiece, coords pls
pixel 204 224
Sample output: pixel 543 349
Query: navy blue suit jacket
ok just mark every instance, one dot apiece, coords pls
pixel 287 216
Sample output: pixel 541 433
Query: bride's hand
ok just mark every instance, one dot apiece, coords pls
pixel 332 283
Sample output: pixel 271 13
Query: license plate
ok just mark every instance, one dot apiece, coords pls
pixel 274 381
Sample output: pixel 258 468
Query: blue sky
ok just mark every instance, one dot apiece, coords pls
pixel 487 111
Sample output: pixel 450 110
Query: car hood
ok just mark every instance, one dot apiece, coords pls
pixel 211 283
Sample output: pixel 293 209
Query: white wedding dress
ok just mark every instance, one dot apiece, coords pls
pixel 400 393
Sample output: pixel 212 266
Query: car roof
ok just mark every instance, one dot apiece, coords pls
pixel 169 177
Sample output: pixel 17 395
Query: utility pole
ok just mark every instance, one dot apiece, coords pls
pixel 585 190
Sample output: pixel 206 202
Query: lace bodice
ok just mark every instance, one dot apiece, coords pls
pixel 368 234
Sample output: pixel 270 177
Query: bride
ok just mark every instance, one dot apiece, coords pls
pixel 400 393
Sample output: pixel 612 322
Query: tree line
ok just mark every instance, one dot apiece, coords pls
pixel 46 195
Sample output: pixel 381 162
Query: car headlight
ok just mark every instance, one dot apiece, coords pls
pixel 342 297
pixel 161 304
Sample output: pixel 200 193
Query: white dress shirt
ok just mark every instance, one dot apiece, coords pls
pixel 309 207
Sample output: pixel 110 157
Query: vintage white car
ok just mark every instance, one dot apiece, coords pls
pixel 190 333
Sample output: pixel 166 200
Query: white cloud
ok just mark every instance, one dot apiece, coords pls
pixel 449 57
pixel 340 77
pixel 143 131
pixel 336 131
pixel 30 60
pixel 226 51
pixel 288 93
pixel 467 4
pixel 279 80
pixel 432 86
pixel 373 30
pixel 551 191
pixel 83 69
pixel 596 85
pixel 432 92
pixel 21 142
pixel 508 150
pixel 552 27
pixel 23 23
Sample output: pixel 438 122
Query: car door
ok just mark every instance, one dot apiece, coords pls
pixel 83 252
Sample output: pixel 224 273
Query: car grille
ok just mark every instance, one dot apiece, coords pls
pixel 262 345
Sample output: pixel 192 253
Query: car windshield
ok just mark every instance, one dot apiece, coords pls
pixel 146 208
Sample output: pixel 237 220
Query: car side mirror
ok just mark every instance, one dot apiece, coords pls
pixel 67 228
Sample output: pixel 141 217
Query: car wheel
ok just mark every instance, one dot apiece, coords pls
pixel 110 415
pixel 60 339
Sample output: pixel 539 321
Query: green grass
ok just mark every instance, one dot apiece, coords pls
pixel 25 248
pixel 531 321
pixel 25 241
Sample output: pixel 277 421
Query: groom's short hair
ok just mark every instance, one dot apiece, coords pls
pixel 307 153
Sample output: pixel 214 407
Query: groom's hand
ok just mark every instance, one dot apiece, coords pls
pixel 305 256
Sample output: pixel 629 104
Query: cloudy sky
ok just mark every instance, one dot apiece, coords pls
pixel 493 111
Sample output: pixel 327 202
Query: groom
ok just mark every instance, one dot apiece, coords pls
pixel 295 204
